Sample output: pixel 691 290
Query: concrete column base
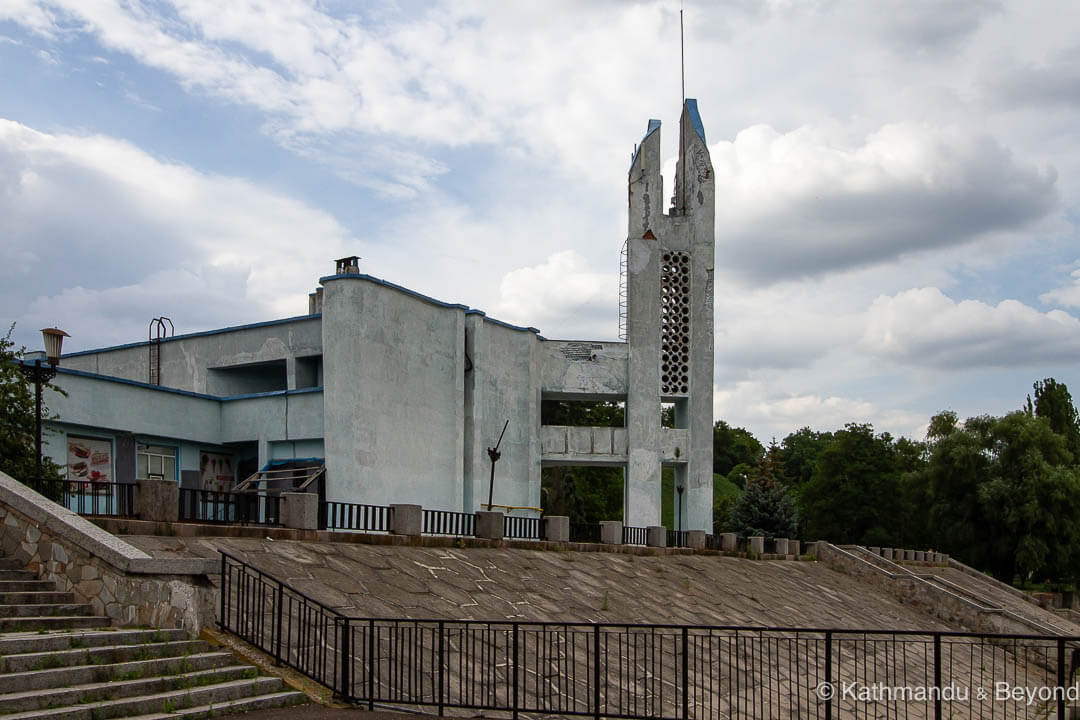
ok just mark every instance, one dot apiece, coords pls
pixel 489 525
pixel 157 500
pixel 887 553
pixel 782 546
pixel 795 547
pixel 695 539
pixel 611 532
pixel 556 528
pixel 656 536
pixel 729 542
pixel 300 511
pixel 406 519
pixel 757 544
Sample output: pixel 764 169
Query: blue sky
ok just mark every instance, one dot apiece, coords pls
pixel 897 181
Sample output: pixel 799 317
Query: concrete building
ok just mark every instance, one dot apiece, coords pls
pixel 400 394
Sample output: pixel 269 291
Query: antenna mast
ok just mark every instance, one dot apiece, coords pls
pixel 682 56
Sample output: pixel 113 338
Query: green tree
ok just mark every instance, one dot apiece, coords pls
pixel 854 494
pixel 765 507
pixel 1006 497
pixel 18 454
pixel 732 446
pixel 800 451
pixel 1054 403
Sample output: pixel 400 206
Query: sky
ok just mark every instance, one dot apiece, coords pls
pixel 898 181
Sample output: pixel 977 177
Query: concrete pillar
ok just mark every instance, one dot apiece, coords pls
pixel 611 532
pixel 489 524
pixel 406 519
pixel 874 550
pixel 157 500
pixel 656 536
pixel 556 528
pixel 887 553
pixel 782 546
pixel 300 511
pixel 729 542
pixel 695 539
pixel 795 547
pixel 757 544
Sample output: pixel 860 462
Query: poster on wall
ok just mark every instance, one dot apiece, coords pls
pixel 216 471
pixel 89 460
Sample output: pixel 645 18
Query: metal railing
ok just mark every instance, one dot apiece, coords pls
pixel 355 516
pixel 521 528
pixel 585 532
pixel 659 672
pixel 89 497
pixel 209 506
pixel 676 538
pixel 448 522
pixel 714 542
pixel 635 535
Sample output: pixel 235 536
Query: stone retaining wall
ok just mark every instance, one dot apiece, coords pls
pixel 117 579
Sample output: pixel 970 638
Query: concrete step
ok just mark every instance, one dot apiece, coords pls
pixel 123 686
pixel 7 563
pixel 85 674
pixel 273 700
pixel 58 622
pixel 43 597
pixel 28 585
pixel 40 610
pixel 17 575
pixel 36 642
pixel 103 655
pixel 163 702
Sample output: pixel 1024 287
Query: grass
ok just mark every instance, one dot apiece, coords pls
pixel 76 642
pixel 129 675
pixel 605 606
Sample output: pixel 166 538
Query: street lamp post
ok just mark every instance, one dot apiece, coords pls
pixel 39 375
pixel 680 488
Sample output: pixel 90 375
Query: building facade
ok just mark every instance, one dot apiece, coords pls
pixel 400 394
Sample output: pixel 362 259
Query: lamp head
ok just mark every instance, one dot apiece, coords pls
pixel 54 340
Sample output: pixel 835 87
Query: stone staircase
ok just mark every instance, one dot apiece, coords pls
pixel 59 661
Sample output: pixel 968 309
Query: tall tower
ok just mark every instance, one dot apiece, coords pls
pixel 669 275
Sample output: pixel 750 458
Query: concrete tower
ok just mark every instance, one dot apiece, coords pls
pixel 669 276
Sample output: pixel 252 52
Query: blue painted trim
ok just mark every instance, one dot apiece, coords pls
pixel 426 298
pixel 202 333
pixel 282 461
pixel 178 391
pixel 695 118
pixel 654 125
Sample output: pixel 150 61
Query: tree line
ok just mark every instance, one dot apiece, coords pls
pixel 999 493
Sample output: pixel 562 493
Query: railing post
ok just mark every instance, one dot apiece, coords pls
pixel 345 644
pixel 371 665
pixel 596 671
pixel 1061 679
pixel 828 675
pixel 514 667
pixel 442 664
pixel 277 623
pixel 224 591
pixel 685 673
pixel 937 676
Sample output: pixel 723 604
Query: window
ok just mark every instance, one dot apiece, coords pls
pixel 155 462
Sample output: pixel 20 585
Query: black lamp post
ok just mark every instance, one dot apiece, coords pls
pixel 39 375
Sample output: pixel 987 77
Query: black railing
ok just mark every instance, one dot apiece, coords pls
pixel 88 497
pixel 635 535
pixel 585 532
pixel 209 506
pixel 660 672
pixel 676 538
pixel 714 542
pixel 447 522
pixel 355 516
pixel 521 528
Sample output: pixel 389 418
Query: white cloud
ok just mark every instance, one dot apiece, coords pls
pixel 115 226
pixel 1068 296
pixel 924 328
pixel 799 204
pixel 563 294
